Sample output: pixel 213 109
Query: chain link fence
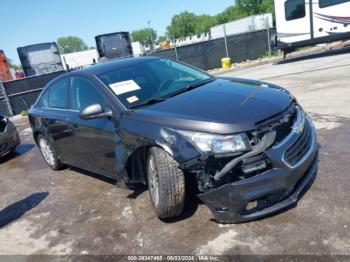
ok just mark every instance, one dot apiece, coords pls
pixel 207 55
pixel 18 95
pixel 5 107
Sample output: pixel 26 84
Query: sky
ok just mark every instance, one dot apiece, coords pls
pixel 26 22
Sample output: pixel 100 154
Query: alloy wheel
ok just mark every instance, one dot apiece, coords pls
pixel 153 180
pixel 47 151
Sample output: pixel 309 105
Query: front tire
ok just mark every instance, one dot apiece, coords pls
pixel 49 153
pixel 166 184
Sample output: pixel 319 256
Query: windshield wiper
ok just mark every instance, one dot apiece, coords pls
pixel 149 102
pixel 191 86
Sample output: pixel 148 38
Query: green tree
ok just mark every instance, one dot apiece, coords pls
pixel 183 24
pixel 71 44
pixel 145 36
pixel 162 38
pixel 14 66
pixel 268 6
pixel 186 23
pixel 251 7
pixel 204 23
pixel 230 14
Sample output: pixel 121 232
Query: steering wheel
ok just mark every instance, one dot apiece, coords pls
pixel 164 86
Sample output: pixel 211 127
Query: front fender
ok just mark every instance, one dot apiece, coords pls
pixel 136 134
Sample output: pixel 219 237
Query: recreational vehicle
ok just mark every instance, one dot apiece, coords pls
pixel 300 23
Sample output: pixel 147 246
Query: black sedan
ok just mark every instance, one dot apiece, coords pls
pixel 9 139
pixel 249 145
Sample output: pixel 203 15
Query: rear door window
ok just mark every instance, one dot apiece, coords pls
pixel 58 95
pixel 44 99
pixel 294 9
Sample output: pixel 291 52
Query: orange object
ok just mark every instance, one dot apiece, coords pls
pixel 165 44
pixel 5 74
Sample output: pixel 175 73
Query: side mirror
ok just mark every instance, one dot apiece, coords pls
pixel 95 111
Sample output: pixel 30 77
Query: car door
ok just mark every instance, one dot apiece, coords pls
pixel 54 116
pixel 94 139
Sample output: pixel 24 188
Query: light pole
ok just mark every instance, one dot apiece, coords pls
pixel 150 34
pixel 177 56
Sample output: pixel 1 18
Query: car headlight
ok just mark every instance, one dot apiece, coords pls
pixel 219 144
pixel 300 121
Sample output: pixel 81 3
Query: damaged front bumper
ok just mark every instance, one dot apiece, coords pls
pixel 273 190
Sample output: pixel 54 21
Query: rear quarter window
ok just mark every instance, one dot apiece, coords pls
pixel 58 95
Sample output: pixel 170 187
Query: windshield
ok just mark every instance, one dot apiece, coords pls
pixel 153 80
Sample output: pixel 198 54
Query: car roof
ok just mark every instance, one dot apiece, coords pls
pixel 114 64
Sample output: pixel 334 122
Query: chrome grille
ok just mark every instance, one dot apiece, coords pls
pixel 296 151
pixel 282 123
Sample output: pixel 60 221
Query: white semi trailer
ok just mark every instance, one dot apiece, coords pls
pixel 309 22
pixel 240 26
pixel 79 59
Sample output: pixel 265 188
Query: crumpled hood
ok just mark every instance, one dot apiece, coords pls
pixel 223 106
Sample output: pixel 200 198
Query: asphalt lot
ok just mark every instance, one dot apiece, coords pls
pixel 75 212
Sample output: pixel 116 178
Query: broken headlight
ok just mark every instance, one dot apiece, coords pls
pixel 218 144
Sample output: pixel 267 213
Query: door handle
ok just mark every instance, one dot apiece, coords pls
pixel 75 129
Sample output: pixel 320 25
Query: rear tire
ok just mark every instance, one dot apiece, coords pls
pixel 166 184
pixel 48 153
